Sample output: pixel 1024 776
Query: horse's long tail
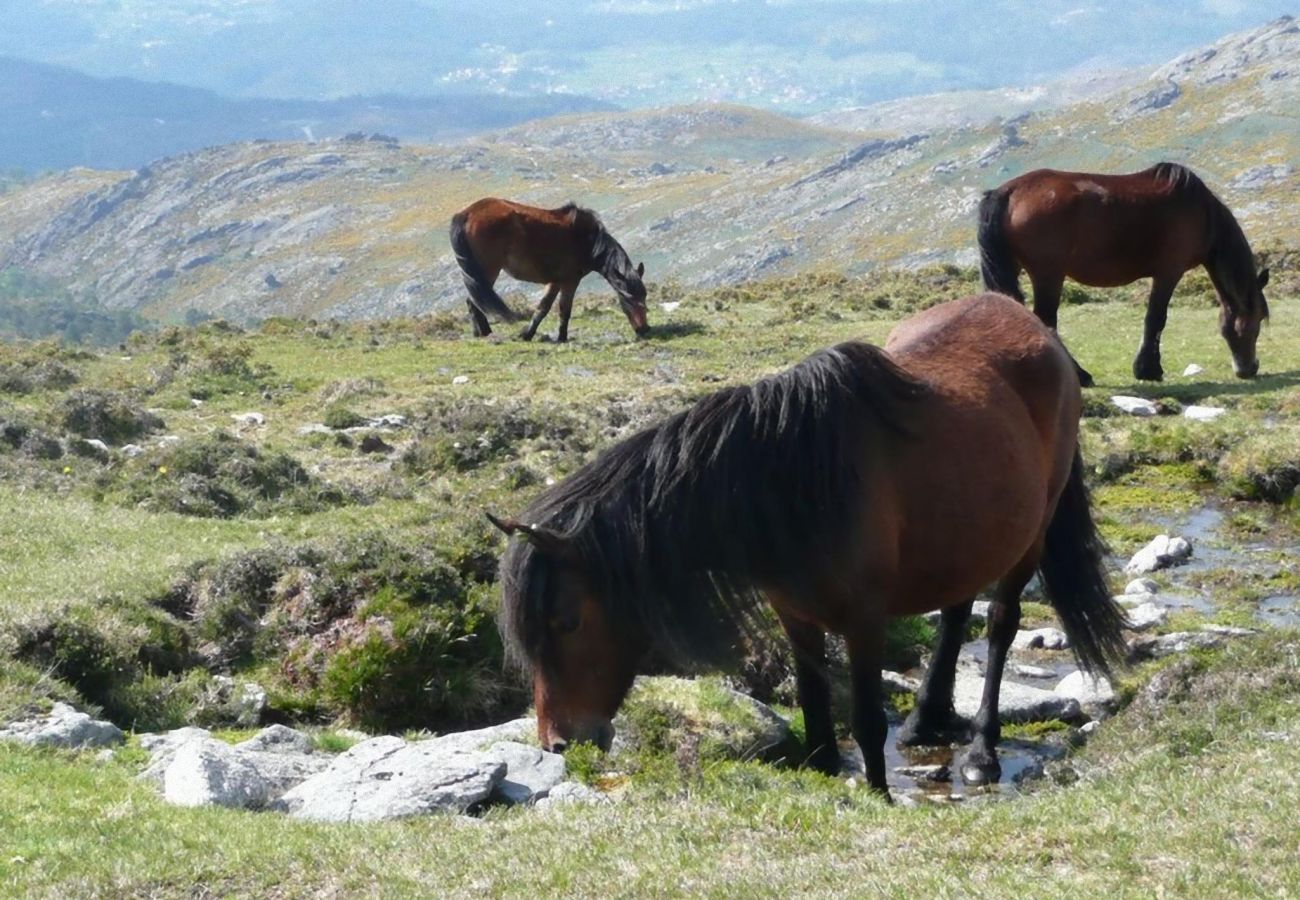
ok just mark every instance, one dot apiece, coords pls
pixel 997 262
pixel 1075 579
pixel 481 293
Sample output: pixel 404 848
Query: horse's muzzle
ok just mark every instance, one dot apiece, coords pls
pixel 602 735
pixel 1247 371
pixel 643 331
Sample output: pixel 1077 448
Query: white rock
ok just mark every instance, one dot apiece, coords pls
pixel 1134 406
pixel 131 451
pixel 1142 586
pixel 249 419
pixel 1040 638
pixel 935 772
pixel 571 793
pixel 1192 369
pixel 460 379
pixel 1162 552
pixel 250 704
pixel 517 730
pixel 387 778
pixel 1203 413
pixel 1025 671
pixel 212 773
pixel 63 726
pixel 1146 615
pixel 391 420
pixel 1016 702
pixel 1153 647
pixel 1134 599
pixel 531 772
pixel 1087 690
pixel 670 306
pixel 96 444
pixel 168 439
pixel 898 683
pixel 278 739
pixel 195 402
pixel 1089 727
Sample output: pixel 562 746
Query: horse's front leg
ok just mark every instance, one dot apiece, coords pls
pixel 1047 303
pixel 543 307
pixel 979 764
pixel 870 726
pixel 566 310
pixel 809 644
pixel 933 722
pixel 1146 365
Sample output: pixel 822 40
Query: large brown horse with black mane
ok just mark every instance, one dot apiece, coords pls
pixel 1109 230
pixel 554 247
pixel 859 485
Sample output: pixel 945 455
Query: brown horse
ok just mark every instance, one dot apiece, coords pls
pixel 859 485
pixel 1108 230
pixel 555 247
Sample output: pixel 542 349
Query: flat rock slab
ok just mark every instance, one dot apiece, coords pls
pixel 63 726
pixel 531 772
pixel 1016 702
pixel 1135 406
pixel 387 778
pixel 516 730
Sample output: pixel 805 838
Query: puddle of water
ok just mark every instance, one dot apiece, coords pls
pixel 1019 759
pixel 1280 611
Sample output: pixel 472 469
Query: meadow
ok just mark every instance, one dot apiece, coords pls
pixel 300 504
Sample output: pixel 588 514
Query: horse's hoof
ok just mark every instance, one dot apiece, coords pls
pixel 825 760
pixel 979 769
pixel 1144 370
pixel 1085 378
pixel 525 335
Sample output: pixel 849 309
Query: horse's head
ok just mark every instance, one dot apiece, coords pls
pixel 632 298
pixel 552 615
pixel 1239 323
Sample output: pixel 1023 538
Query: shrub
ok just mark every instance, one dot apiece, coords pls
pixel 339 416
pixel 110 416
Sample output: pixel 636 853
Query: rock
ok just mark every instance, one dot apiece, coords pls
pixel 1203 413
pixel 1016 702
pixel 63 726
pixel 1132 600
pixel 278 739
pixel 1088 728
pixel 1089 691
pixel 212 773
pixel 1032 671
pixel 1192 369
pixel 249 419
pixel 1176 642
pixel 250 704
pixel 517 731
pixel 460 379
pixel 530 772
pixel 1141 586
pixel 898 683
pixel 571 793
pixel 389 420
pixel 1040 638
pixel 1135 406
pixel 1146 615
pixel 670 306
pixel 373 443
pixel 1162 552
pixel 387 778
pixel 131 451
pixel 1228 630
pixel 933 773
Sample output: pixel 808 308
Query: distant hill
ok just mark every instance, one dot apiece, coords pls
pixel 56 118
pixel 703 194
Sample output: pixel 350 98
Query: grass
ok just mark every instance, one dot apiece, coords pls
pixel 532 412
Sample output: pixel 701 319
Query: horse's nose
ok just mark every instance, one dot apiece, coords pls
pixel 1249 371
pixel 559 745
pixel 643 331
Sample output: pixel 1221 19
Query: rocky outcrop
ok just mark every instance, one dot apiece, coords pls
pixel 65 727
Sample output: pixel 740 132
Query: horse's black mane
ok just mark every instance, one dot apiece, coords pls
pixel 681 525
pixel 606 254
pixel 1231 262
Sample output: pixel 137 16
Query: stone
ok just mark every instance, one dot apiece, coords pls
pixel 387 778
pixel 278 739
pixel 1086 689
pixel 64 726
pixel 373 443
pixel 519 731
pixel 898 683
pixel 1203 413
pixel 1135 406
pixel 1134 599
pixel 1088 728
pixel 531 772
pixel 1228 630
pixel 1025 671
pixel 1154 647
pixel 572 793
pixel 1192 369
pixel 1016 702
pixel 1162 552
pixel 1040 638
pixel 460 379
pixel 131 451
pixel 389 420
pixel 212 773
pixel 1142 586
pixel 933 773
pixel 1146 615
pixel 670 306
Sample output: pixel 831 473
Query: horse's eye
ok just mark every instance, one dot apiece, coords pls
pixel 566 623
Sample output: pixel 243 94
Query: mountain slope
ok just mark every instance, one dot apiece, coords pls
pixel 705 195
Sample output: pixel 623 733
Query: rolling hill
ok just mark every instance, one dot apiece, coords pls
pixel 704 194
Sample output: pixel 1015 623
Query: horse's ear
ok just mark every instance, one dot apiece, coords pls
pixel 505 526
pixel 1263 278
pixel 536 535
pixel 640 270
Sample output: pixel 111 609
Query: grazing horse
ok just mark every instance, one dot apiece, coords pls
pixel 1109 230
pixel 858 485
pixel 555 247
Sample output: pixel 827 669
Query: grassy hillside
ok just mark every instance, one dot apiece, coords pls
pixel 130 579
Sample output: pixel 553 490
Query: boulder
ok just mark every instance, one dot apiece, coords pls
pixel 1162 552
pixel 1146 615
pixel 1016 702
pixel 1087 690
pixel 1025 671
pixel 213 773
pixel 1135 406
pixel 1040 638
pixel 1141 586
pixel 1203 413
pixel 523 731
pixel 63 726
pixel 388 778
pixel 278 739
pixel 1154 647
pixel 531 772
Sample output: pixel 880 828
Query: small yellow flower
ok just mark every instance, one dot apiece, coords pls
pixel 67 470
pixel 162 470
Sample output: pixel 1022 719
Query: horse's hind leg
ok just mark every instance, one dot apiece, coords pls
pixel 566 310
pixel 870 727
pixel 979 764
pixel 478 320
pixel 1146 365
pixel 809 643
pixel 543 307
pixel 933 722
